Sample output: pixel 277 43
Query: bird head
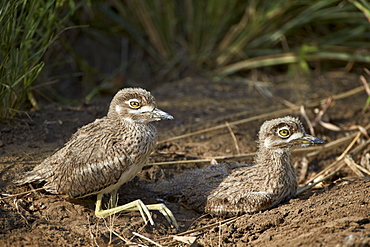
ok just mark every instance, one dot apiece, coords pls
pixel 137 105
pixel 283 133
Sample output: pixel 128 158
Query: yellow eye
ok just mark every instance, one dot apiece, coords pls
pixel 135 104
pixel 284 133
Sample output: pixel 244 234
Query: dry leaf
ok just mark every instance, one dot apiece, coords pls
pixel 184 239
pixel 329 126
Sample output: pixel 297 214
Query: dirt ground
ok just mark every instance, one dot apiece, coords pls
pixel 335 214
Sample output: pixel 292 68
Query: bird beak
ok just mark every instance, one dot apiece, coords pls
pixel 158 115
pixel 309 139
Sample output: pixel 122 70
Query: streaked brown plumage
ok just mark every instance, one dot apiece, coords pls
pixel 235 188
pixel 106 153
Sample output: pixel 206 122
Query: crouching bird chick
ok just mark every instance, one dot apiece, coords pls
pixel 228 189
pixel 105 154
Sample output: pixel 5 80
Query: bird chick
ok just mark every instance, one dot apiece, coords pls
pixel 227 189
pixel 103 155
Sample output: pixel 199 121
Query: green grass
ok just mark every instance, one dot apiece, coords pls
pixel 231 36
pixel 169 39
pixel 27 29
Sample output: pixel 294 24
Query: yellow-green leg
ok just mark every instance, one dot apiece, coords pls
pixel 136 205
pixel 113 199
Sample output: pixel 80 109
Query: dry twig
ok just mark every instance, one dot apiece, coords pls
pixel 147 239
pixel 344 159
pixel 305 117
pixel 312 103
pixel 7 196
pixel 234 138
pixel 219 223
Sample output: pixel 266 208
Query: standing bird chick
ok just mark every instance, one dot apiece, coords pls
pixel 227 189
pixel 103 155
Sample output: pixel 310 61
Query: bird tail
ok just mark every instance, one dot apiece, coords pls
pixel 30 177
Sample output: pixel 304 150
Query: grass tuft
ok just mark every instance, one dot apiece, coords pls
pixel 232 36
pixel 27 29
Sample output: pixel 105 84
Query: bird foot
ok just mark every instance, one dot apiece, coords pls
pixel 138 205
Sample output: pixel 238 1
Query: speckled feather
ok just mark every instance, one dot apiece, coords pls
pixel 100 153
pixel 236 188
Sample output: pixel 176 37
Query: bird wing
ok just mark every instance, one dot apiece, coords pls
pixel 95 158
pixel 241 192
pixel 238 203
pixel 193 186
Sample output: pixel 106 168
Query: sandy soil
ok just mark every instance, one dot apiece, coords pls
pixel 336 214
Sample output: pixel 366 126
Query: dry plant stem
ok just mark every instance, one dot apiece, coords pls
pixel 325 108
pixel 138 230
pixel 223 222
pixel 33 190
pixel 360 148
pixel 246 120
pixel 306 187
pixel 197 220
pixel 219 235
pixel 330 145
pixel 147 239
pixel 336 143
pixel 304 115
pixel 313 151
pixel 339 159
pixel 367 71
pixel 312 103
pixel 20 194
pixel 122 238
pixel 364 170
pixel 206 160
pixel 357 166
pixel 342 160
pixel 304 169
pixel 350 146
pixel 109 222
pixel 351 164
pixel 367 89
pixel 19 211
pixel 234 138
pixel 363 131
pixel 93 238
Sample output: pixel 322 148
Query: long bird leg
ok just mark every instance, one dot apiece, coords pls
pixel 113 199
pixel 136 205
